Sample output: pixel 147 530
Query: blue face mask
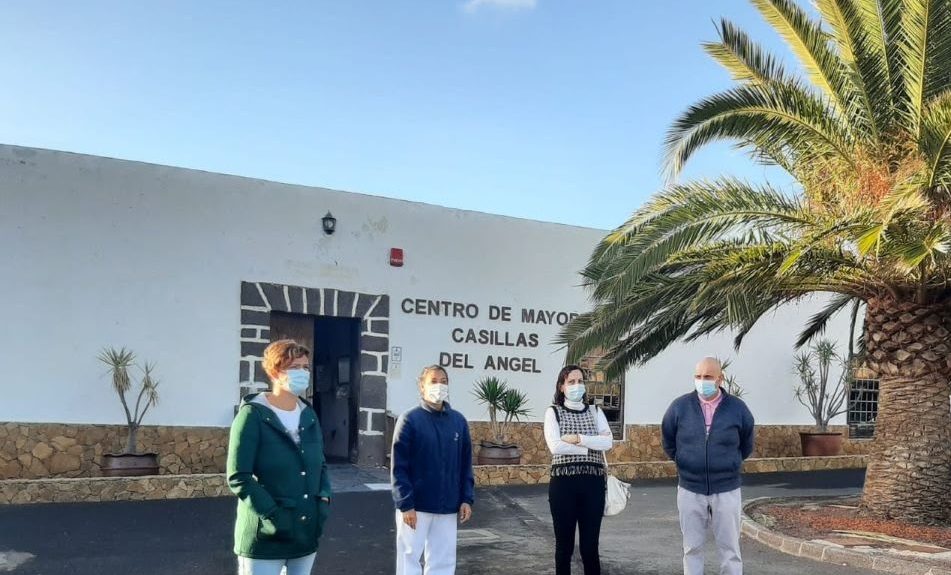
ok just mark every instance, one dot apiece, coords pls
pixel 574 392
pixel 297 381
pixel 705 387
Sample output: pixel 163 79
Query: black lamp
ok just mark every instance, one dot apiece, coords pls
pixel 330 223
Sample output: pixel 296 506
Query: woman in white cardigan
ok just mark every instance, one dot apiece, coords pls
pixel 578 436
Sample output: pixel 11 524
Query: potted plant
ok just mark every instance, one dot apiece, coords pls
pixel 824 401
pixel 510 404
pixel 130 461
pixel 729 380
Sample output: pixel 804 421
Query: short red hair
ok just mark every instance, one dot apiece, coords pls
pixel 279 355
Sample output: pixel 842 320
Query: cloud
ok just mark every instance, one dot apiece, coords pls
pixel 473 5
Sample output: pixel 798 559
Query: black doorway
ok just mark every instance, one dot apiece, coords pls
pixel 337 384
pixel 335 365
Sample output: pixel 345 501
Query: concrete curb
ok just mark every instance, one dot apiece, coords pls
pixel 828 553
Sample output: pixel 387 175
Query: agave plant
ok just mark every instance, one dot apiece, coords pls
pixel 513 405
pixel 864 129
pixel 119 362
pixel 495 394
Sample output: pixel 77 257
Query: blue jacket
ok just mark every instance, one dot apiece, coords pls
pixel 708 464
pixel 432 461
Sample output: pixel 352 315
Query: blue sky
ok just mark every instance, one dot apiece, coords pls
pixel 547 109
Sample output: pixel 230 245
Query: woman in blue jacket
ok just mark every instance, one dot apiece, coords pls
pixel 432 479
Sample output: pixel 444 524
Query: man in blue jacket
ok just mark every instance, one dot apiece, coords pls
pixel 708 433
pixel 432 479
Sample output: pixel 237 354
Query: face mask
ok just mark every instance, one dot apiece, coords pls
pixel 574 392
pixel 705 388
pixel 436 392
pixel 297 381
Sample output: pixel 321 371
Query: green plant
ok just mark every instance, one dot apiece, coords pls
pixel 861 124
pixel 824 401
pixel 513 405
pixel 119 362
pixel 498 398
pixel 729 380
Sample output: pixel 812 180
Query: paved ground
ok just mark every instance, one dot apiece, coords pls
pixel 510 533
pixel 350 478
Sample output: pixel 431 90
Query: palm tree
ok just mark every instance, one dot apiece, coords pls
pixel 865 131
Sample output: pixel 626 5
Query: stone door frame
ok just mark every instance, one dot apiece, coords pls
pixel 259 299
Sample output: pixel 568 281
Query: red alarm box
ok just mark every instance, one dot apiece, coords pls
pixel 396 257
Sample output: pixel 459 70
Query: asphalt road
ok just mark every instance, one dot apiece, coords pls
pixel 510 534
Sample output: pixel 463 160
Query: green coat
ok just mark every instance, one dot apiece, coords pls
pixel 278 483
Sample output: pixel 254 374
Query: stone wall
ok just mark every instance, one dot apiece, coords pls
pixel 643 442
pixel 24 491
pixel 783 441
pixel 40 450
pixel 641 470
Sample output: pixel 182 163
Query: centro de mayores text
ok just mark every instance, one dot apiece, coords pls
pixel 463 335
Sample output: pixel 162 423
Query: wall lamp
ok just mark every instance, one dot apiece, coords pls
pixel 329 223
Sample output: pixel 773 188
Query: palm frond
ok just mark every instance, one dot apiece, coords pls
pixel 938 52
pixel 702 290
pixel 935 145
pixel 786 115
pixel 680 218
pixel 819 321
pixel 809 44
pixel 858 38
pixel 920 21
pixel 746 61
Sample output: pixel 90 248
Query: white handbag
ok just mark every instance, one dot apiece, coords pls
pixel 615 496
pixel 616 492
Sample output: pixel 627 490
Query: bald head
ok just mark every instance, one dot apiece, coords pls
pixel 707 377
pixel 708 366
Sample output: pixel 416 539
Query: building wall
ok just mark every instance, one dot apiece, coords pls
pixel 101 252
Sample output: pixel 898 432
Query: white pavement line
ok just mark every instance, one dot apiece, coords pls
pixel 378 486
pixel 10 560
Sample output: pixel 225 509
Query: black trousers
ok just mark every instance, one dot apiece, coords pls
pixel 577 501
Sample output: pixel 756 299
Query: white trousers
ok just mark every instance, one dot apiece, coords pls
pixel 698 513
pixel 433 542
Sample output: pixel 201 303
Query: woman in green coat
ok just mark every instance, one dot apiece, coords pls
pixel 276 467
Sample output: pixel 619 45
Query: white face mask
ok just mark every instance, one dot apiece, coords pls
pixel 705 387
pixel 574 392
pixel 436 392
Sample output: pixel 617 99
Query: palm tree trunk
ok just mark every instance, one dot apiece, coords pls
pixel 909 472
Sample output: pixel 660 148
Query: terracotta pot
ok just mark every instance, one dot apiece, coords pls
pixel 495 454
pixel 129 464
pixel 820 444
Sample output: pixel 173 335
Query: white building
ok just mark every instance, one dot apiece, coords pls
pixel 198 271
